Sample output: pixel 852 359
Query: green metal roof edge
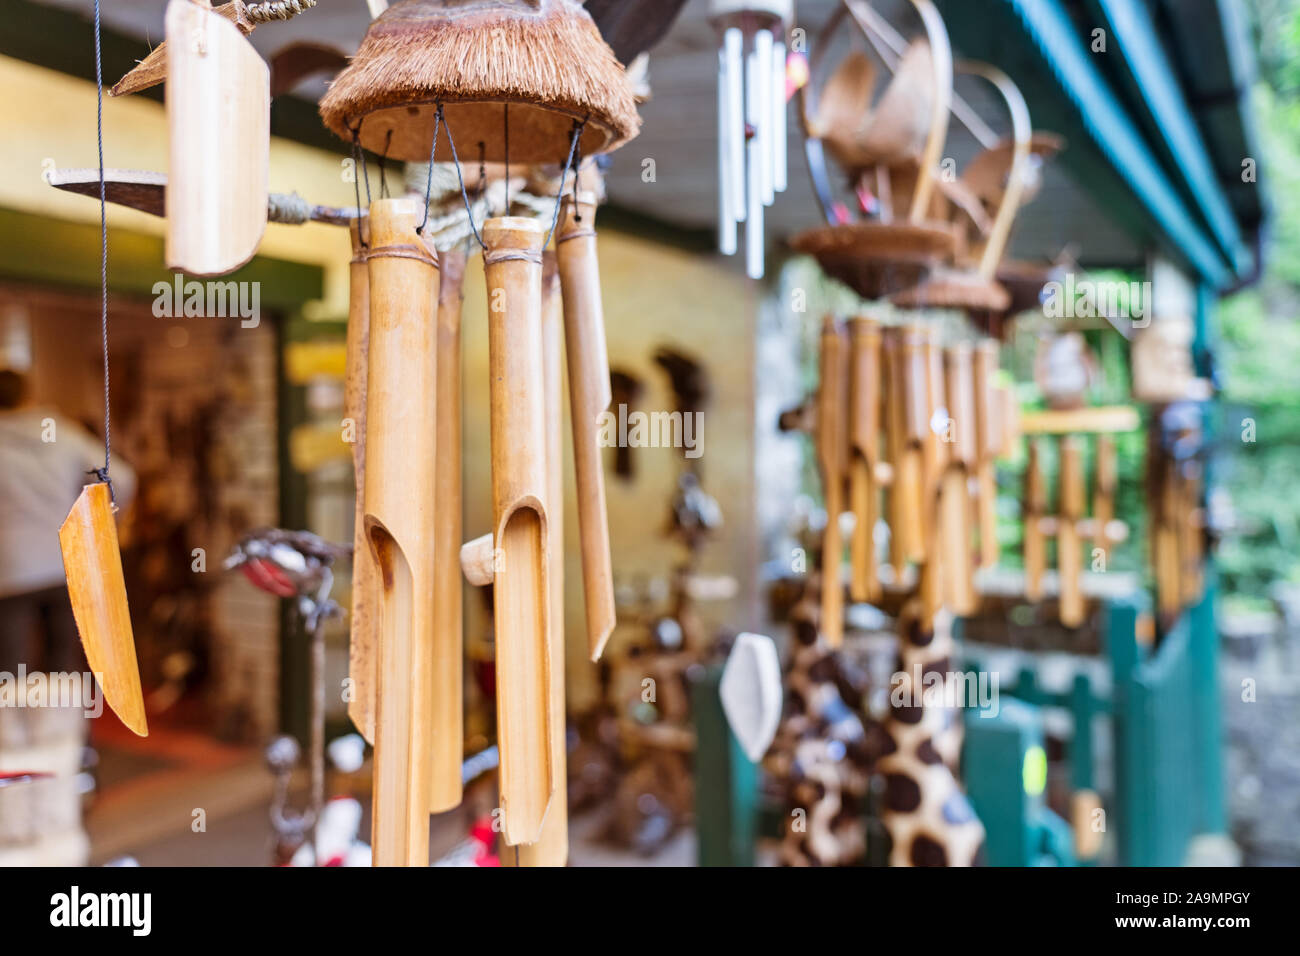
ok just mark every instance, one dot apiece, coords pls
pixel 1052 31
pixel 1152 73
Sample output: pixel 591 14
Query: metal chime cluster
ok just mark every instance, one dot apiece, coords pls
pixel 519 84
pixel 751 119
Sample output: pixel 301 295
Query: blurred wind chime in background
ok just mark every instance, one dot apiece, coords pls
pixel 901 412
pixel 752 97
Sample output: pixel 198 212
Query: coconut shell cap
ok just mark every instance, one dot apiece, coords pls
pixel 525 70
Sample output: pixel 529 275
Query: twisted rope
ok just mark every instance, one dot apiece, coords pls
pixel 277 10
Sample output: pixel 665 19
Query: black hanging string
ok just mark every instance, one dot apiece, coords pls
pixel 455 159
pixel 505 127
pixel 482 171
pixel 559 194
pixel 428 183
pixel 359 159
pixel 383 169
pixel 102 473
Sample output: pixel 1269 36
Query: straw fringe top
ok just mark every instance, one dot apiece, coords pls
pixel 542 60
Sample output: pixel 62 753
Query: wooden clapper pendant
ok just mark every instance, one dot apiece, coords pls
pixel 589 396
pixel 399 525
pixel 219 141
pixel 832 454
pixel 92 562
pixel 864 458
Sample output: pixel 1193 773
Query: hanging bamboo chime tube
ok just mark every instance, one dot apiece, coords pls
pixel 552 849
pixel 589 397
pixel 1106 476
pixel 832 449
pixel 864 492
pixel 935 449
pixel 512 259
pixel 1035 510
pixel 904 498
pixel 1069 557
pixel 362 649
pixel 448 648
pixel 955 512
pixel 988 441
pixel 913 480
pixel 399 523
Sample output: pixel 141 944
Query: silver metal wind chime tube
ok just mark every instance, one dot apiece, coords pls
pixel 751 119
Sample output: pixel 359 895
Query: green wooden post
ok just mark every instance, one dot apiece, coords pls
pixel 726 781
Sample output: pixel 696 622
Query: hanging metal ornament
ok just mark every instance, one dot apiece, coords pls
pixel 520 82
pixel 751 118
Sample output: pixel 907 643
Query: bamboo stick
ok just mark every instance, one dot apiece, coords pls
pixel 448 632
pixel 513 266
pixel 910 479
pixel 589 396
pixel 1069 555
pixel 553 847
pixel 864 493
pixel 362 644
pixel 832 406
pixel 399 523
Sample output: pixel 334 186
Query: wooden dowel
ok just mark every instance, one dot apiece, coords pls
pixel 864 493
pixel 911 401
pixel 589 396
pixel 401 445
pixel 513 265
pixel 363 640
pixel 832 408
pixel 1069 548
pixel 448 631
pixel 552 849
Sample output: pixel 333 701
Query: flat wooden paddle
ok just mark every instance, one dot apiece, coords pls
pixel 93 564
pixel 219 142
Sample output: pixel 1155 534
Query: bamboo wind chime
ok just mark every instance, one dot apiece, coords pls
pixel 524 83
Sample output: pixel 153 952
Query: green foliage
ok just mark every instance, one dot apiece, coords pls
pixel 1258 460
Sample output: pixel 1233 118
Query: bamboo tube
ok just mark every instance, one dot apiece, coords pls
pixel 832 405
pixel 362 643
pixel 399 524
pixel 903 484
pixel 988 442
pixel 912 397
pixel 1105 471
pixel 512 261
pixel 864 493
pixel 1069 557
pixel 955 518
pixel 1035 507
pixel 553 847
pixel 448 631
pixel 935 449
pixel 589 396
